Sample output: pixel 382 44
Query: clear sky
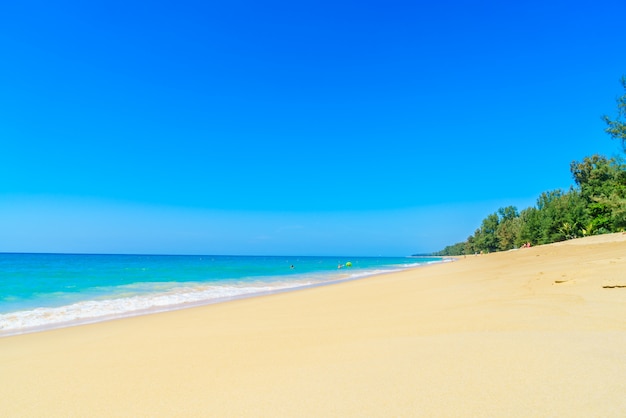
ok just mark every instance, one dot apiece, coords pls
pixel 293 127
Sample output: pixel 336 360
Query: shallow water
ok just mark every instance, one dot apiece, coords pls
pixel 41 291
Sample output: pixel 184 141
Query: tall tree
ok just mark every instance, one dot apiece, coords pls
pixel 509 228
pixel 595 175
pixel 597 205
pixel 616 128
pixel 486 238
pixel 602 184
pixel 557 213
pixel 530 229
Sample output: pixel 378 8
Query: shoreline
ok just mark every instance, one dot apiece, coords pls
pixel 193 304
pixel 532 332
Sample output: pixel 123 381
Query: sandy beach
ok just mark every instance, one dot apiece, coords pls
pixel 530 333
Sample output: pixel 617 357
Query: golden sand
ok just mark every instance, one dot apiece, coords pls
pixel 528 333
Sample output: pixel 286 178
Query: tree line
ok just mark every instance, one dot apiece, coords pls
pixel 595 205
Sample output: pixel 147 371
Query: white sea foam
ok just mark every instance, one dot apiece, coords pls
pixel 175 298
pixel 97 310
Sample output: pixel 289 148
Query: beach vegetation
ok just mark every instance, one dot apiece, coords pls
pixel 486 237
pixel 616 128
pixel 508 229
pixel 596 204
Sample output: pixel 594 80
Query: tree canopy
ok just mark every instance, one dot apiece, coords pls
pixel 616 128
pixel 595 205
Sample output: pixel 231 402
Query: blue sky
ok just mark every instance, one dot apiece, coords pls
pixel 311 128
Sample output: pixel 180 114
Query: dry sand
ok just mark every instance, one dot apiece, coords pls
pixel 530 333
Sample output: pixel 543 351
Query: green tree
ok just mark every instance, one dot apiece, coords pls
pixel 550 213
pixel 597 205
pixel 470 247
pixel 508 229
pixel 602 184
pixel 617 207
pixel 595 175
pixel 485 238
pixel 556 218
pixel 616 128
pixel 530 227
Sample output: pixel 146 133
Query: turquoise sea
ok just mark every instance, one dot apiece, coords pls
pixel 42 291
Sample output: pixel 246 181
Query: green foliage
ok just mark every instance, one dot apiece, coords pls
pixel 616 128
pixel 508 233
pixel 499 231
pixel 455 249
pixel 602 185
pixel 558 214
pixel 530 228
pixel 486 240
pixel 596 205
pixel 508 228
pixel 596 175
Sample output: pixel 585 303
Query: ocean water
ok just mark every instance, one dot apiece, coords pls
pixel 43 291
